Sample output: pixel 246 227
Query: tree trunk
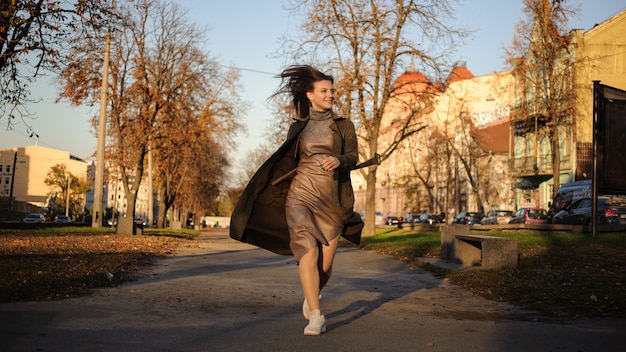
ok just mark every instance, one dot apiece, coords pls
pixel 125 223
pixel 556 162
pixel 370 203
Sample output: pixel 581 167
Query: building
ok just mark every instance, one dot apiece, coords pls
pixel 24 170
pixel 562 120
pixel 114 196
pixel 487 141
pixel 459 160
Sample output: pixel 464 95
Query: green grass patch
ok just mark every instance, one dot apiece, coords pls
pixel 571 274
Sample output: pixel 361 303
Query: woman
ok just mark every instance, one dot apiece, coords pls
pixel 301 199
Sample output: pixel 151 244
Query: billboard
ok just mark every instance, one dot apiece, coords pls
pixel 610 133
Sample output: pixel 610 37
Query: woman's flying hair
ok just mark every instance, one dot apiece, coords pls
pixel 297 80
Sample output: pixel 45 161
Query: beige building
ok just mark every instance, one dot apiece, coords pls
pixel 114 197
pixel 459 161
pixel 32 165
pixel 600 55
pixel 473 155
pixel 596 54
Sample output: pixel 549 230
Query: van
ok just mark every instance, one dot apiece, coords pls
pixel 568 193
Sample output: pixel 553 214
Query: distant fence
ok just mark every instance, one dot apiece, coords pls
pixel 18 207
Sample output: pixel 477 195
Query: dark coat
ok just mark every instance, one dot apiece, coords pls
pixel 259 216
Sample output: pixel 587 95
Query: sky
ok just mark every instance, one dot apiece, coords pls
pixel 246 33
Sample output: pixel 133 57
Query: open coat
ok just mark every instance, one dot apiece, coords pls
pixel 259 216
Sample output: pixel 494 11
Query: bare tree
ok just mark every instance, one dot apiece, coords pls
pixel 34 39
pixel 368 44
pixel 541 59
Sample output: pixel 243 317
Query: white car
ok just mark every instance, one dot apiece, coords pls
pixel 379 219
pixel 34 218
pixel 495 217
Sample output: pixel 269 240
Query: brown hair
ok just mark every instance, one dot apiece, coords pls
pixel 297 80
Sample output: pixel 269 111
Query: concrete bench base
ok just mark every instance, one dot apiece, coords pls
pixel 489 252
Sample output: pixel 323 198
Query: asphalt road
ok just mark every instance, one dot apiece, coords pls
pixel 221 295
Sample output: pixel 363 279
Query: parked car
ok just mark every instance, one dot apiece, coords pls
pixel 380 218
pixel 529 216
pixel 567 194
pixel 427 218
pixel 391 220
pixel 611 210
pixel 468 218
pixel 62 219
pixel 140 221
pixel 30 218
pixel 411 218
pixel 495 217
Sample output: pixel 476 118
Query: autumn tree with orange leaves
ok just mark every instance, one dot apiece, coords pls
pixel 543 66
pixel 166 97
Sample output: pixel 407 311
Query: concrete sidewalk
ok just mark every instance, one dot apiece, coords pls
pixel 220 295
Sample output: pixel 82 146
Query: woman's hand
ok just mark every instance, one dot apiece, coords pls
pixel 330 163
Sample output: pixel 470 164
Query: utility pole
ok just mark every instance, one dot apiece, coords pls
pixel 150 195
pixel 67 196
pixel 97 214
pixel 12 183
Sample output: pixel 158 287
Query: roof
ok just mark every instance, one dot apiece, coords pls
pixel 459 73
pixel 410 77
pixel 494 137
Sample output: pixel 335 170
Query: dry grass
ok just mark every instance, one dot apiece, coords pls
pixel 560 274
pixel 48 265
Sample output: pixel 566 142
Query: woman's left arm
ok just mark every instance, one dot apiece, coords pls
pixel 350 155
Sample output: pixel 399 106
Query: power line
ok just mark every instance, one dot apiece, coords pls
pixel 249 70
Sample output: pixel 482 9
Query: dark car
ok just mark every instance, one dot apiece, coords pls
pixel 495 217
pixel 468 218
pixel 567 194
pixel 611 210
pixel 529 216
pixel 62 219
pixel 427 218
pixel 391 220
pixel 139 221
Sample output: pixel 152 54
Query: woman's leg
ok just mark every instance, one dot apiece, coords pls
pixel 310 278
pixel 325 262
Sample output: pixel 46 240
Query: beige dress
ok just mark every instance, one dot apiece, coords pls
pixel 310 210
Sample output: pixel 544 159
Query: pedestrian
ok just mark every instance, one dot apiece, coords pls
pixel 301 199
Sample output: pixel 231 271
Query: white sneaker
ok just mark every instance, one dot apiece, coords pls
pixel 317 324
pixel 306 311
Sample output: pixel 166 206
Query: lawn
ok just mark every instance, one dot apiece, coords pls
pixel 562 274
pixel 66 262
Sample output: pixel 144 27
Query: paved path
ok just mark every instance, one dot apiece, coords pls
pixel 221 295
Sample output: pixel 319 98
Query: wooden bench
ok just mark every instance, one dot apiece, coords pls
pixel 488 252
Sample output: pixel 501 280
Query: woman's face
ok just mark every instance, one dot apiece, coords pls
pixel 323 95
